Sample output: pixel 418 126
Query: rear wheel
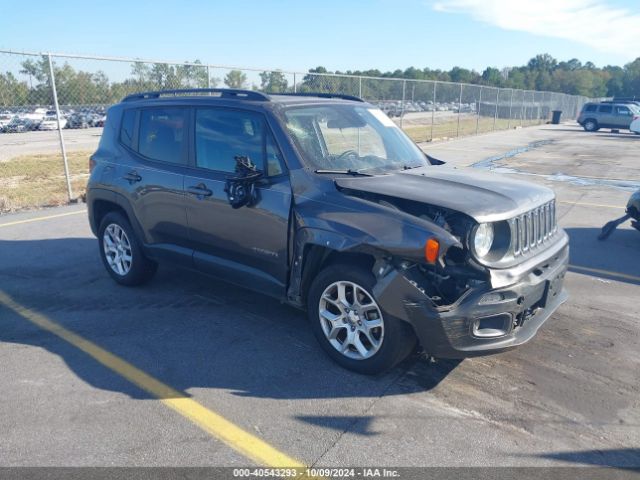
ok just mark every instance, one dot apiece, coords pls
pixel 590 125
pixel 121 251
pixel 351 326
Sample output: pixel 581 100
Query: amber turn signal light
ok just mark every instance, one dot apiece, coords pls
pixel 431 250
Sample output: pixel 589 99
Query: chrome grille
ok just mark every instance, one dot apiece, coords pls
pixel 533 228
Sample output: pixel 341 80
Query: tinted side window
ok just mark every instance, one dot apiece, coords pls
pixel 127 126
pixel 221 135
pixel 162 133
pixel 621 110
pixel 605 109
pixel 590 108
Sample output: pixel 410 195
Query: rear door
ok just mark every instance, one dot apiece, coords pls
pixel 246 245
pixel 153 176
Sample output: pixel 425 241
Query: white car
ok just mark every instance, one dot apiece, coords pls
pixel 5 119
pixel 635 125
pixel 50 122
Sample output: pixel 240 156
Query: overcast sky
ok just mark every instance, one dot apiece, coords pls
pixel 340 35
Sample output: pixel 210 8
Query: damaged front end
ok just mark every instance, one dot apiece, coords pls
pixel 463 301
pixel 460 307
pixel 457 312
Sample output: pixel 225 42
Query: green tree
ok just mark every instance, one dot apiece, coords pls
pixel 235 79
pixel 492 76
pixel 462 75
pixel 193 76
pixel 12 91
pixel 543 62
pixel 273 82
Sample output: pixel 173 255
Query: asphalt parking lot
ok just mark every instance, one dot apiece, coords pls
pixel 37 142
pixel 569 397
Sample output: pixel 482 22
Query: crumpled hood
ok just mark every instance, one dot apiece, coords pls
pixel 483 196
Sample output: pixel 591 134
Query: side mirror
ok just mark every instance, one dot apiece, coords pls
pixel 434 161
pixel 241 188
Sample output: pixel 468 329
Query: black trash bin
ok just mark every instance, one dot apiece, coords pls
pixel 555 118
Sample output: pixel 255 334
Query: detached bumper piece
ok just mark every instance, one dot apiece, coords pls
pixel 483 320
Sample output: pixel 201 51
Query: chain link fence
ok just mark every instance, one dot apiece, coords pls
pixel 68 96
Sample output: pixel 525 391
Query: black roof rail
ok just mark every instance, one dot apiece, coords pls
pixel 620 100
pixel 232 93
pixel 322 95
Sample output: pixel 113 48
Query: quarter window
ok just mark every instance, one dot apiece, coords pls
pixel 591 108
pixel 161 134
pixel 127 126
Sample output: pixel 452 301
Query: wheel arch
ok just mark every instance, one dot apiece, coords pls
pixel 102 207
pixel 100 202
pixel 316 250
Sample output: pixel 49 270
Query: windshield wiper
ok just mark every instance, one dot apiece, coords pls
pixel 348 171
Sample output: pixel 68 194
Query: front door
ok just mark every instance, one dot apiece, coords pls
pixel 623 116
pixel 246 245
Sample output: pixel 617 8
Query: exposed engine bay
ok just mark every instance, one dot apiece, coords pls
pixel 444 283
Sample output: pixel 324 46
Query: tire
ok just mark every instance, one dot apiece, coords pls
pixel 590 125
pixel 121 252
pixel 392 340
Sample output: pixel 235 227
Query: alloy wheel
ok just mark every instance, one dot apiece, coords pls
pixel 351 320
pixel 117 249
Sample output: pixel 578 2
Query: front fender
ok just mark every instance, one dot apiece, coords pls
pixel 375 230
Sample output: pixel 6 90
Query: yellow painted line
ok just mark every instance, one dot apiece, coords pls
pixel 606 272
pixel 46 217
pixel 592 204
pixel 214 424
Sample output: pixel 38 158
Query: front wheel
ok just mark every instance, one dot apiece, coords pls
pixel 351 326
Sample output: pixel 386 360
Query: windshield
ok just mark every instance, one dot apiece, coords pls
pixel 348 137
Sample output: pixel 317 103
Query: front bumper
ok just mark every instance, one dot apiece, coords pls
pixel 485 319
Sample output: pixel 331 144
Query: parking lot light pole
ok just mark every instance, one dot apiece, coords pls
pixel 478 110
pixel 404 92
pixel 433 110
pixel 60 136
pixel 510 107
pixel 459 108
pixel 495 116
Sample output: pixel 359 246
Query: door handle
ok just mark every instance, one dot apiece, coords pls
pixel 200 190
pixel 132 176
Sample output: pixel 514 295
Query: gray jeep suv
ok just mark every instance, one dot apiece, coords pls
pixel 595 116
pixel 322 202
